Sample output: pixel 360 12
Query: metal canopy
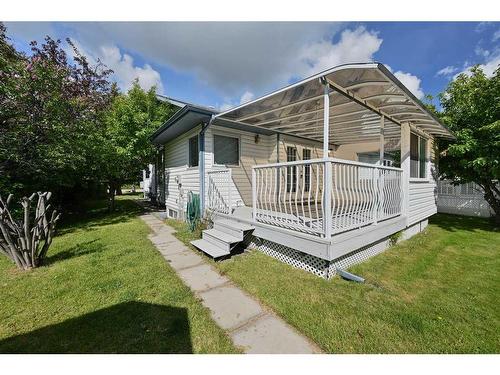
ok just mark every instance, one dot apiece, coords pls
pixel 359 95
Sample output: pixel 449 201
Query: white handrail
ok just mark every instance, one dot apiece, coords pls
pixel 219 190
pixel 332 160
pixel 325 197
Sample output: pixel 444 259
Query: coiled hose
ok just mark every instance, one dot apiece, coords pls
pixel 193 210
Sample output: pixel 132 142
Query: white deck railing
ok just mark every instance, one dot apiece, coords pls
pixel 292 195
pixel 219 190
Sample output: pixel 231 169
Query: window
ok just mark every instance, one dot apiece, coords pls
pixel 374 158
pixel 193 151
pixel 291 172
pixel 172 214
pixel 226 150
pixel 306 155
pixel 418 156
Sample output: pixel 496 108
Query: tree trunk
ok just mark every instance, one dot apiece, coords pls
pixel 492 196
pixel 111 195
pixel 26 242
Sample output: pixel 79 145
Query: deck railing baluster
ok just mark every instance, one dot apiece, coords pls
pixel 347 195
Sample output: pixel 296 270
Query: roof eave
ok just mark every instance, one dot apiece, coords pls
pixel 177 116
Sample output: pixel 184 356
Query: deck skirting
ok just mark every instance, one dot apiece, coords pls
pixel 322 267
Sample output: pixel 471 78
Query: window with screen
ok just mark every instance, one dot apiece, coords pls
pixel 418 156
pixel 193 151
pixel 306 155
pixel 291 172
pixel 226 150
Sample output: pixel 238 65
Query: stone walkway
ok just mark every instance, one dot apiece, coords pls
pixel 247 323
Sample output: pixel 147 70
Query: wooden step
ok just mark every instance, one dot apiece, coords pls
pixel 234 224
pixel 210 249
pixel 232 227
pixel 220 239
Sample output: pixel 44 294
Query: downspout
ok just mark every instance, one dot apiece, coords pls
pixel 201 163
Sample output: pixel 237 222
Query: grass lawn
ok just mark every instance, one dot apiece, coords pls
pixel 435 293
pixel 105 289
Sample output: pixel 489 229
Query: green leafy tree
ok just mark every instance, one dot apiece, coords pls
pixel 51 110
pixel 471 105
pixel 125 146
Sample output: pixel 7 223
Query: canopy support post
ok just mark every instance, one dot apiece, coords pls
pixel 326 119
pixel 382 140
pixel 327 165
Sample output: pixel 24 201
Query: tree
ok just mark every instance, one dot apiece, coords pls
pixel 471 106
pixel 126 149
pixel 51 110
pixel 27 241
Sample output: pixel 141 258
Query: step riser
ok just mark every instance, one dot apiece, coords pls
pixel 216 241
pixel 232 231
pixel 234 224
pixel 210 249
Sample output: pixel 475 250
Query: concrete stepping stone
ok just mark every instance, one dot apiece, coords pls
pixel 249 326
pixel 270 335
pixel 163 239
pixel 230 307
pixel 183 259
pixel 202 277
pixel 169 249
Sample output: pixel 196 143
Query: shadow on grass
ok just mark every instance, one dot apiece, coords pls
pixel 99 216
pixel 453 223
pixel 76 251
pixel 129 327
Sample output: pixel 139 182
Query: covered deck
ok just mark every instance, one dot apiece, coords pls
pixel 328 198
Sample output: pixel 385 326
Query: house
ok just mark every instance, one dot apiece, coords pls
pixel 320 174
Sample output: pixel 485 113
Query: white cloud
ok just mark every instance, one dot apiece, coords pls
pixel 246 97
pixel 124 70
pixel 358 45
pixel 482 26
pixel 496 36
pixel 229 57
pixel 489 66
pixel 226 56
pixel 447 71
pixel 122 64
pixel 481 52
pixel 411 82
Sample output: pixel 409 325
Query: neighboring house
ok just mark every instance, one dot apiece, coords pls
pixel 464 199
pixel 320 174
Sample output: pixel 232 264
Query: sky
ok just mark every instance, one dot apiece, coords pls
pixel 225 64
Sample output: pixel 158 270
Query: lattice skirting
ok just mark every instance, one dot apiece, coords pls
pixel 290 256
pixel 321 267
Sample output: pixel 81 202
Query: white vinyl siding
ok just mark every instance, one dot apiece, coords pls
pixel 177 172
pixel 423 194
pixel 253 150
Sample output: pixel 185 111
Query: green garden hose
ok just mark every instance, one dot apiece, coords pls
pixel 193 210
